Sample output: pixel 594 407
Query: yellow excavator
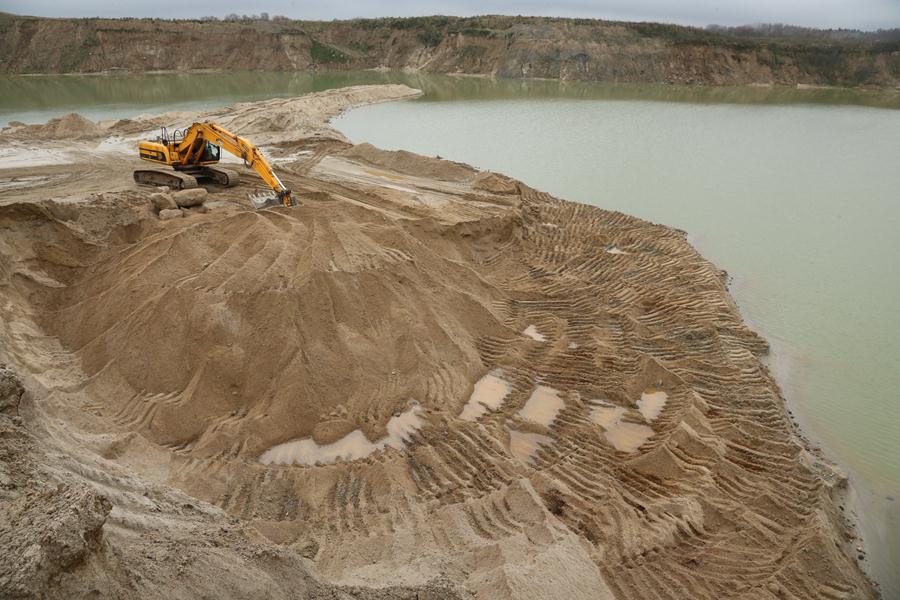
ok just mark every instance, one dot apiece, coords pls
pixel 192 152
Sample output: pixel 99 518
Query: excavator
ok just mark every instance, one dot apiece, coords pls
pixel 192 154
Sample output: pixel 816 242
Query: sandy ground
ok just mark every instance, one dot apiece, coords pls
pixel 426 381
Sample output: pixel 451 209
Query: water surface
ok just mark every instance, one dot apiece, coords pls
pixel 37 98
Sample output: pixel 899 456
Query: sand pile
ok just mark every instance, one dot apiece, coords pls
pixel 425 376
pixel 70 127
pixel 280 120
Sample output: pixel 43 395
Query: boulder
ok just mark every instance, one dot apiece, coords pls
pixel 162 201
pixel 166 214
pixel 196 210
pixel 191 197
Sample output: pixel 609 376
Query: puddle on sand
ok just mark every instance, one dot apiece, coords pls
pixel 353 446
pixel 614 250
pixel 623 435
pixel 489 393
pixel 606 415
pixel 542 406
pixel 523 446
pixel 652 402
pixel 628 437
pixel 532 332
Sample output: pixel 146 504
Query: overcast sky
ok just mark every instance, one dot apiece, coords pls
pixel 862 14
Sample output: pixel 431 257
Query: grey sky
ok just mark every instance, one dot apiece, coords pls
pixel 863 14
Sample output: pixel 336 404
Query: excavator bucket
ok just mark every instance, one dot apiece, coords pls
pixel 264 199
pixel 267 199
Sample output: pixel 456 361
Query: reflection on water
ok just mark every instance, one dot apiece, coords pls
pixel 651 403
pixel 353 446
pixel 605 415
pixel 542 406
pixel 626 436
pixel 489 393
pixel 36 98
pixel 524 446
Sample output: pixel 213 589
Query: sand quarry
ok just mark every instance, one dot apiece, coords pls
pixel 427 381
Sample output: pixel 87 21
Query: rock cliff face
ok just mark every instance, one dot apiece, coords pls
pixel 577 49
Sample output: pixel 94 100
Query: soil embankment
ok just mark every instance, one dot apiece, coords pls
pixel 426 376
pixel 513 47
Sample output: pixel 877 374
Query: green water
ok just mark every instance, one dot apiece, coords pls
pixel 795 192
pixel 34 99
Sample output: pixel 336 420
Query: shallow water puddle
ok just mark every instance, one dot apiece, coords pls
pixel 542 406
pixel 353 446
pixel 628 437
pixel 532 332
pixel 523 446
pixel 651 403
pixel 489 393
pixel 623 435
pixel 606 415
pixel 614 250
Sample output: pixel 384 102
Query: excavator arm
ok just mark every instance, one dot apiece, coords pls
pixel 193 144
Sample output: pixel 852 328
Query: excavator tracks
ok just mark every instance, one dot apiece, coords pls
pixel 182 180
pixel 223 177
pixel 172 179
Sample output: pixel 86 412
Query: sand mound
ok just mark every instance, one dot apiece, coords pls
pixel 425 376
pixel 413 164
pixel 70 127
pixel 269 366
pixel 278 120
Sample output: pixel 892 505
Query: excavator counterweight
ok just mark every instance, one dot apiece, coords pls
pixel 192 154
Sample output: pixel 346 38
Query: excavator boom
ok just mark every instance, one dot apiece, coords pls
pixel 197 148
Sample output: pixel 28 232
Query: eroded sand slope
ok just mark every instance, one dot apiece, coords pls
pixel 426 376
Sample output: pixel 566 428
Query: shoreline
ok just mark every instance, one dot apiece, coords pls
pixel 815 443
pixel 802 87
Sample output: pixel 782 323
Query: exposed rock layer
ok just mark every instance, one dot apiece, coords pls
pixel 569 49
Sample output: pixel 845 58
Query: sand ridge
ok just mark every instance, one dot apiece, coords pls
pixel 184 351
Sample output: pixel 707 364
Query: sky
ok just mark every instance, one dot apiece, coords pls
pixel 855 14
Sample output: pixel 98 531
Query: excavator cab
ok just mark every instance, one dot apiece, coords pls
pixel 210 153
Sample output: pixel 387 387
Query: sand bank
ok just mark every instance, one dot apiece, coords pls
pixel 379 393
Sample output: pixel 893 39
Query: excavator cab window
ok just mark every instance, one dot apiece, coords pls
pixel 210 153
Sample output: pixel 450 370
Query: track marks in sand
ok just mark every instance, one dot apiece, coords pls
pixel 621 386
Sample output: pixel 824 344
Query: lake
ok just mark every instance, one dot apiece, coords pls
pixel 796 193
